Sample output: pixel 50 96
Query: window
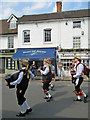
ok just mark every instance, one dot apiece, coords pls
pixel 76 42
pixel 77 24
pixel 66 63
pixel 11 42
pixel 12 24
pixel 47 35
pixel 26 34
pixel 10 64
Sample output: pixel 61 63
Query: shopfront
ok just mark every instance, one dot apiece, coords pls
pixel 6 62
pixel 36 54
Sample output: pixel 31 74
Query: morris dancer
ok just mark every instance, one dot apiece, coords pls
pixel 79 79
pixel 46 79
pixel 22 85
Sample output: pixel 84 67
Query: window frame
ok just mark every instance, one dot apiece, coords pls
pixel 77 44
pixel 13 24
pixel 10 42
pixel 26 38
pixel 77 24
pixel 47 36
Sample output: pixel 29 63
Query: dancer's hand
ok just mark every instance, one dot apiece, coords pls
pixel 6 83
pixel 39 70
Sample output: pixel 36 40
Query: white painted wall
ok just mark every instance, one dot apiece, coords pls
pixel 61 33
pixel 37 34
pixel 68 32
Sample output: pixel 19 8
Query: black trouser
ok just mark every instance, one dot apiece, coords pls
pixel 21 92
pixel 72 79
pixel 77 87
pixel 46 85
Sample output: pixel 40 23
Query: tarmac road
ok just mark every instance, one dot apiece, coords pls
pixel 61 105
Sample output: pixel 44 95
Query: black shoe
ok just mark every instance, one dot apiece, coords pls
pixel 49 98
pixel 20 114
pixel 77 100
pixel 85 99
pixel 28 111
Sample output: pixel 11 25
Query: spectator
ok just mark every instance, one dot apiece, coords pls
pixel 53 72
pixel 33 68
pixel 59 69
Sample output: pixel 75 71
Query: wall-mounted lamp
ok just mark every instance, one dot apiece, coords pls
pixel 82 32
pixel 66 23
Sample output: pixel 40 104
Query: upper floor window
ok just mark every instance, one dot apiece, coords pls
pixel 47 35
pixel 26 34
pixel 12 24
pixel 76 42
pixel 10 42
pixel 77 24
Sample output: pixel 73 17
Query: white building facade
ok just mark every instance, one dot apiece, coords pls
pixel 67 32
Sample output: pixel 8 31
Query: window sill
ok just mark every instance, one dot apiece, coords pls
pixel 47 42
pixel 26 43
pixel 10 48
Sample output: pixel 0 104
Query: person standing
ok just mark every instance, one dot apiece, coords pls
pixel 53 72
pixel 79 79
pixel 46 78
pixel 22 85
pixel 59 69
pixel 33 68
pixel 72 70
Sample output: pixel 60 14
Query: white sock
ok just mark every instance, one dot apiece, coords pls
pixel 26 104
pixel 84 94
pixel 79 97
pixel 48 94
pixel 51 84
pixel 22 108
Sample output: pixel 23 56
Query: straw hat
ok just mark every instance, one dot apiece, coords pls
pixel 47 60
pixel 78 57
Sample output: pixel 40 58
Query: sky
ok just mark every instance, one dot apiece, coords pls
pixel 31 7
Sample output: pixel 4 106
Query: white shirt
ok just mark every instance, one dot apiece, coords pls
pixel 79 71
pixel 45 72
pixel 20 77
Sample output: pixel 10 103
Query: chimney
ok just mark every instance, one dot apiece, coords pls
pixel 59 6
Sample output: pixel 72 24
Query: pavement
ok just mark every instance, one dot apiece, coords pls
pixel 61 105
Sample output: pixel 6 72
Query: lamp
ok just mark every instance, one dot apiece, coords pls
pixel 66 23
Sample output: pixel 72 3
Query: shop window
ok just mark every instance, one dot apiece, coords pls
pixel 10 64
pixel 66 63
